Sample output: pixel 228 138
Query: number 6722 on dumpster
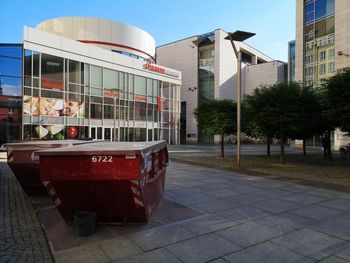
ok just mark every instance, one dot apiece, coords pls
pixel 102 159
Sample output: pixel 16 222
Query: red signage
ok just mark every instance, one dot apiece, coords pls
pixel 161 70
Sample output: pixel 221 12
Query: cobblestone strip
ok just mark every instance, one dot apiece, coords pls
pixel 21 236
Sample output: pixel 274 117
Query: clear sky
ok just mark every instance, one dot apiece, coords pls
pixel 273 21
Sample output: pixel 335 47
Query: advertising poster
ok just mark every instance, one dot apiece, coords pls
pixel 51 107
pixel 73 109
pixel 31 105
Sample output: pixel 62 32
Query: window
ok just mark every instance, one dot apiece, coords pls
pixel 322 69
pixel 96 76
pixel 51 72
pixel 331 53
pixel 96 111
pixel 331 67
pixel 322 55
pixel 309 71
pixel 110 79
pixel 140 85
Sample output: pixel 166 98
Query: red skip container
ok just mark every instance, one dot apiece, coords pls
pixel 25 165
pixel 120 181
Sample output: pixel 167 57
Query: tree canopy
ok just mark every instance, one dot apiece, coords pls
pixel 216 117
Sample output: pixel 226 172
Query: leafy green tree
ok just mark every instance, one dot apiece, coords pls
pixel 217 117
pixel 276 111
pixel 336 100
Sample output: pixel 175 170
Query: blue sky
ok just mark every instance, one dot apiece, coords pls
pixel 273 21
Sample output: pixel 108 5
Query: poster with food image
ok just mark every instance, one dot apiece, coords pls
pixel 73 109
pixel 52 132
pixel 31 105
pixel 51 107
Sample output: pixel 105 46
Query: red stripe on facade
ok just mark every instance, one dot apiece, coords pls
pixel 115 45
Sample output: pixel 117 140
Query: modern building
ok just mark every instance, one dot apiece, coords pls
pixel 322 43
pixel 291 60
pixel 209 67
pixel 96 78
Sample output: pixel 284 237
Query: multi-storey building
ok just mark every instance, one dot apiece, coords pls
pixel 95 78
pixel 209 68
pixel 322 42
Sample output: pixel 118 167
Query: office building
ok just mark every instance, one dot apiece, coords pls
pixel 95 78
pixel 209 67
pixel 322 43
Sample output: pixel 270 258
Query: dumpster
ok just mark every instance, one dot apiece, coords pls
pixel 122 182
pixel 25 165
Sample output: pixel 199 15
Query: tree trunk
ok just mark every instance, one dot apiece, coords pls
pixel 268 146
pixel 282 148
pixel 329 146
pixel 222 146
pixel 304 147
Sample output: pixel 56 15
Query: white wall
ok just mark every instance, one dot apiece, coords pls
pixel 183 56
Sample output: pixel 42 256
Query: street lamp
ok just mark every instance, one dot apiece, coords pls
pixel 238 36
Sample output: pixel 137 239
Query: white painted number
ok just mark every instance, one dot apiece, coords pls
pixel 102 159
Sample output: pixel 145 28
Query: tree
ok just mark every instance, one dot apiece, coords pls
pixel 336 99
pixel 217 117
pixel 276 111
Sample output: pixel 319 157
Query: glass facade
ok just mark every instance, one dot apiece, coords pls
pixel 291 61
pixel 319 40
pixel 10 92
pixel 68 99
pixel 206 75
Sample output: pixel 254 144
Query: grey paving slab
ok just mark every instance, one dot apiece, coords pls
pixel 193 198
pixel 317 212
pixel 242 213
pixel 267 252
pixel 340 204
pixel 338 227
pixel 160 236
pixel 285 222
pixel 119 248
pixel 208 224
pixel 248 234
pixel 220 260
pixel 87 254
pixel 223 193
pixel 272 193
pixel 215 205
pixel 334 259
pixel 311 243
pixel 303 199
pixel 245 199
pixel 345 254
pixel 155 256
pixel 203 248
pixel 276 206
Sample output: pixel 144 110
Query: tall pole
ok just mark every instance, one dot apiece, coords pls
pixel 238 108
pixel 115 115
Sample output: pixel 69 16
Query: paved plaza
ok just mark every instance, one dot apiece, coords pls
pixel 207 215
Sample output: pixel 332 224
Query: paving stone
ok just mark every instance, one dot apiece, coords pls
pixel 311 243
pixel 317 212
pixel 338 227
pixel 303 198
pixel 242 213
pixel 119 248
pixel 276 206
pixel 155 256
pixel 272 193
pixel 248 234
pixel 267 252
pixel 246 199
pixel 160 236
pixel 345 254
pixel 215 205
pixel 87 254
pixel 340 204
pixel 202 249
pixel 334 259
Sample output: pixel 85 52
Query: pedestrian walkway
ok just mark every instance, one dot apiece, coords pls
pixel 21 236
pixel 209 215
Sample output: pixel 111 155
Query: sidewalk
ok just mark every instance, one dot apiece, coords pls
pixel 209 215
pixel 21 236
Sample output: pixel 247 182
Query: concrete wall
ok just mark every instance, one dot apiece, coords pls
pixel 104 33
pixel 259 75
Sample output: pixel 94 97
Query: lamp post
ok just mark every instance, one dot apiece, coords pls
pixel 238 36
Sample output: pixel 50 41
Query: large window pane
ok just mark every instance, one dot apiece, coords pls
pixel 140 85
pixel 74 71
pixel 10 86
pixel 10 67
pixel 51 72
pixel 96 76
pixel 110 79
